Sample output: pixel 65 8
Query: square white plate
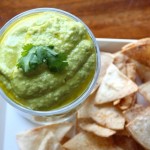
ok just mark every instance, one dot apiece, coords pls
pixel 12 123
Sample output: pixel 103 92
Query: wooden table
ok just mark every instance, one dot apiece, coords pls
pixel 106 18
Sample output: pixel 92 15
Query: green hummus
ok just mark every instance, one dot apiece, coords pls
pixel 43 89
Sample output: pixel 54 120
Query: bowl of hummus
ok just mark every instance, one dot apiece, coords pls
pixel 49 62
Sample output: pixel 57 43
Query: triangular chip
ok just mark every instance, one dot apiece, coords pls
pixel 128 67
pixel 107 116
pixel 139 51
pixel 115 85
pixel 140 128
pixel 89 141
pixel 40 137
pixel 91 126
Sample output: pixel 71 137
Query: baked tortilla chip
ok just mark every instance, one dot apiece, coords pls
pixel 90 126
pixel 107 116
pixel 115 85
pixel 89 141
pixel 139 51
pixel 140 128
pixel 128 67
pixel 40 137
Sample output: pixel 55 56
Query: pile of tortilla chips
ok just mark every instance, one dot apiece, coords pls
pixel 113 117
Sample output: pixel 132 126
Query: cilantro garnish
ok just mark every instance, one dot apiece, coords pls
pixel 33 56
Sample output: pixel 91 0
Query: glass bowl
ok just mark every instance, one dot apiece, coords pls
pixel 67 112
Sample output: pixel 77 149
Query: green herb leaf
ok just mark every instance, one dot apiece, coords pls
pixel 33 56
pixel 26 49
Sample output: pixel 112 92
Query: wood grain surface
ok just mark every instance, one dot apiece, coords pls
pixel 106 18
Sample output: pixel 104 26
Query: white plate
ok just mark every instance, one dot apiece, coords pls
pixel 12 123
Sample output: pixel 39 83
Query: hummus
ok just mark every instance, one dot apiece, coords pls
pixel 43 89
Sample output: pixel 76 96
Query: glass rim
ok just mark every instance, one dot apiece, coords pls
pixel 79 100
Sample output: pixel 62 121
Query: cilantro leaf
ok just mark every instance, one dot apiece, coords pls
pixel 33 56
pixel 26 49
pixel 54 63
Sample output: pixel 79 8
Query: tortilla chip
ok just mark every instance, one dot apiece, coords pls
pixel 89 141
pixel 107 116
pixel 115 85
pixel 106 60
pixel 40 137
pixel 128 67
pixel 144 90
pixel 90 126
pixel 139 51
pixel 140 128
pixel 133 112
